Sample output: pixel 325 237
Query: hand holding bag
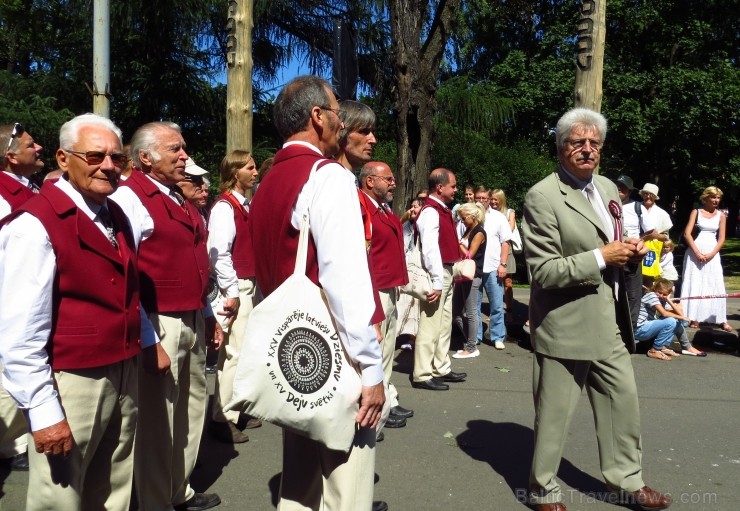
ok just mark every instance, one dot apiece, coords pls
pixel 420 283
pixel 293 370
pixel 463 271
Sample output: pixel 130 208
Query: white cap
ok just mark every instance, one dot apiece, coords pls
pixel 650 188
pixel 194 170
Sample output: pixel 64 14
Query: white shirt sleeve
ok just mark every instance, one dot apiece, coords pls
pixel 27 268
pixel 142 224
pixel 221 234
pixel 4 208
pixel 330 197
pixel 428 225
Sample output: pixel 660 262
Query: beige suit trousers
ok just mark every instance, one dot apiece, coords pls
pixel 432 347
pixel 172 411
pixel 13 427
pixel 316 478
pixel 228 355
pixel 100 407
pixel 388 328
pixel 610 384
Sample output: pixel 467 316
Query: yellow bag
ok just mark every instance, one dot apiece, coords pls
pixel 651 262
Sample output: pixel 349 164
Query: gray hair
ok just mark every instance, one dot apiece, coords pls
pixel 145 140
pixel 69 133
pixel 355 116
pixel 579 118
pixel 294 103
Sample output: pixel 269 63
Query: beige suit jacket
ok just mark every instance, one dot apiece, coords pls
pixel 572 310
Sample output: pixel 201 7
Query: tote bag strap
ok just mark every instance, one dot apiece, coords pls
pixel 302 254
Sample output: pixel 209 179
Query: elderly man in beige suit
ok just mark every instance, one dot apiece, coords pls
pixel 581 327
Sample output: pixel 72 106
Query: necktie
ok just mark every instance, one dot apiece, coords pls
pixel 600 210
pixel 34 188
pixel 105 219
pixel 175 192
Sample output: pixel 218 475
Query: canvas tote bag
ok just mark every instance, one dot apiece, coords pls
pixel 293 370
pixel 420 283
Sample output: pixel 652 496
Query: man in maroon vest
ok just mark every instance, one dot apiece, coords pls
pixel 174 268
pixel 439 248
pixel 388 267
pixel 72 328
pixel 19 159
pixel 301 182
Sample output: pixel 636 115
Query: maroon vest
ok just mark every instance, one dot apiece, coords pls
pixel 13 191
pixel 95 320
pixel 242 253
pixel 386 248
pixel 448 244
pixel 173 261
pixel 270 212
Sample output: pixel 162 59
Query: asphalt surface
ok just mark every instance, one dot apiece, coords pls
pixel 469 448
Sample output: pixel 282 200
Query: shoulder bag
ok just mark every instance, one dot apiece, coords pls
pixel 420 283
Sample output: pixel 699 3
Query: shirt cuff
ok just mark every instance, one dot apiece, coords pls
pixel 232 291
pixel 372 375
pixel 599 258
pixel 46 414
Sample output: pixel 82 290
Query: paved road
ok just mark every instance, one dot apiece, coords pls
pixel 470 448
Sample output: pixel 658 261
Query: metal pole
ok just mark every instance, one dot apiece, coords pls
pixel 101 57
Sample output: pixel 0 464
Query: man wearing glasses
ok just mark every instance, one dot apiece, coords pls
pixel 21 158
pixel 72 327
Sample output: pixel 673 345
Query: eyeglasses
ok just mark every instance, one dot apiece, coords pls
pixel 98 157
pixel 17 132
pixel 581 143
pixel 335 110
pixel 388 179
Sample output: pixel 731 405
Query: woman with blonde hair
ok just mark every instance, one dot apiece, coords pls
pixel 465 297
pixel 702 266
pixel 232 262
pixel 498 201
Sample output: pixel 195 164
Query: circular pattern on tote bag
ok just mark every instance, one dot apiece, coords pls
pixel 305 359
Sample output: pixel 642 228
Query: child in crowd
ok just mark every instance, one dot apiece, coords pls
pixel 660 319
pixel 667 269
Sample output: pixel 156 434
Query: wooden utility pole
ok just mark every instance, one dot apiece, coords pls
pixel 101 58
pixel 590 54
pixel 239 76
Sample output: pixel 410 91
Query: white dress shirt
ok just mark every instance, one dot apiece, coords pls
pixel 631 223
pixel 27 269
pixel 142 223
pixel 660 218
pixel 221 235
pixel 330 199
pixel 498 232
pixel 428 225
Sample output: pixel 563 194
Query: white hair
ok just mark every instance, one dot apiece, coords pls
pixel 69 133
pixel 579 117
pixel 145 140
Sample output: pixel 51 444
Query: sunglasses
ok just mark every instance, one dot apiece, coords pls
pixel 98 157
pixel 17 132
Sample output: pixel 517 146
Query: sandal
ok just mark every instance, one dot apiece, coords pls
pixel 658 355
pixel 670 352
pixel 726 327
pixel 694 324
pixel 696 353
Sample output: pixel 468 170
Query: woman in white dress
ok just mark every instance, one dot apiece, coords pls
pixel 702 266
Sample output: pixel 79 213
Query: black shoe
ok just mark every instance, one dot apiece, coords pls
pixel 211 369
pixel 227 433
pixel 395 422
pixel 431 384
pixel 380 437
pixel 453 377
pixel 379 505
pixel 399 411
pixel 19 462
pixel 199 502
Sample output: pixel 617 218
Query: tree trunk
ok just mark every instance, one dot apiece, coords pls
pixel 239 76
pixel 590 54
pixel 416 65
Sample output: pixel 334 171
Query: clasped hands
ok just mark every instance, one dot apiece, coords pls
pixel 619 253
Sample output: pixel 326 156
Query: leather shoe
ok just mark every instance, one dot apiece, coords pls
pixel 199 502
pixel 395 422
pixel 554 506
pixel 646 498
pixel 380 437
pixel 430 384
pixel 453 377
pixel 227 432
pixel 399 411
pixel 19 462
pixel 379 505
